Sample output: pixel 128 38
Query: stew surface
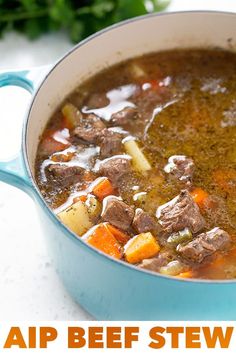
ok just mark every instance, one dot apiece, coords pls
pixel 140 161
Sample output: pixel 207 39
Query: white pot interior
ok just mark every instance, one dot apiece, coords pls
pixel 134 38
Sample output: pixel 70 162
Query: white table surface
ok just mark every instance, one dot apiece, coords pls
pixel 29 286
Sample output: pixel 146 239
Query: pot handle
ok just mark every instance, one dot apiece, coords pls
pixel 13 171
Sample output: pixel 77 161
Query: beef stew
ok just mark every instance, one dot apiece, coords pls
pixel 140 161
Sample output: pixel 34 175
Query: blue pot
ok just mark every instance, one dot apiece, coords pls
pixel 106 288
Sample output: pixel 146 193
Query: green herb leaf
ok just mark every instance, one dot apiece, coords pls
pixel 159 5
pixel 130 8
pixel 76 31
pixel 78 18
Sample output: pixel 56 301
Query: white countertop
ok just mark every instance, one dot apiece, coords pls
pixel 29 286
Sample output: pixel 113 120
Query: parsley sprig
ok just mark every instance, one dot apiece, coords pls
pixel 79 18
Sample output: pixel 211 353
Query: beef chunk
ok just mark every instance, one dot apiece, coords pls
pixel 117 213
pixel 157 262
pixel 181 167
pixel 89 129
pixel 124 116
pixel 143 222
pixel 204 245
pixel 115 168
pixel 65 175
pixel 179 213
pixel 111 143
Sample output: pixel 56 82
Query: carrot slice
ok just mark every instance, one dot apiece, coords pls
pixel 140 247
pixel 199 196
pixel 102 239
pixel 154 84
pixel 120 236
pixel 49 145
pixel 81 198
pixel 63 157
pixel 103 189
pixel 188 274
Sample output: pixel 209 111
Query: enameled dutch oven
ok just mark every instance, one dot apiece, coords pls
pixel 107 288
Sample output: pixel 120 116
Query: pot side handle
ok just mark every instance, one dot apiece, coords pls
pixel 13 171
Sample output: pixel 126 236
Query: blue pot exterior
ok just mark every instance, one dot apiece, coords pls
pixel 109 289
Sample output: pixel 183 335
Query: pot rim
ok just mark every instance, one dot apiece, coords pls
pixel 67 232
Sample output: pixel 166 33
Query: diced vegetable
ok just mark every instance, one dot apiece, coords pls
pixel 139 160
pixel 76 218
pixel 173 268
pixel 48 146
pixel 66 157
pixel 137 71
pixel 71 114
pixel 140 197
pixel 185 275
pixel 199 196
pixel 103 189
pixel 120 236
pixel 153 84
pixel 94 207
pixel 141 247
pixel 180 237
pixel 102 239
pixel 81 198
